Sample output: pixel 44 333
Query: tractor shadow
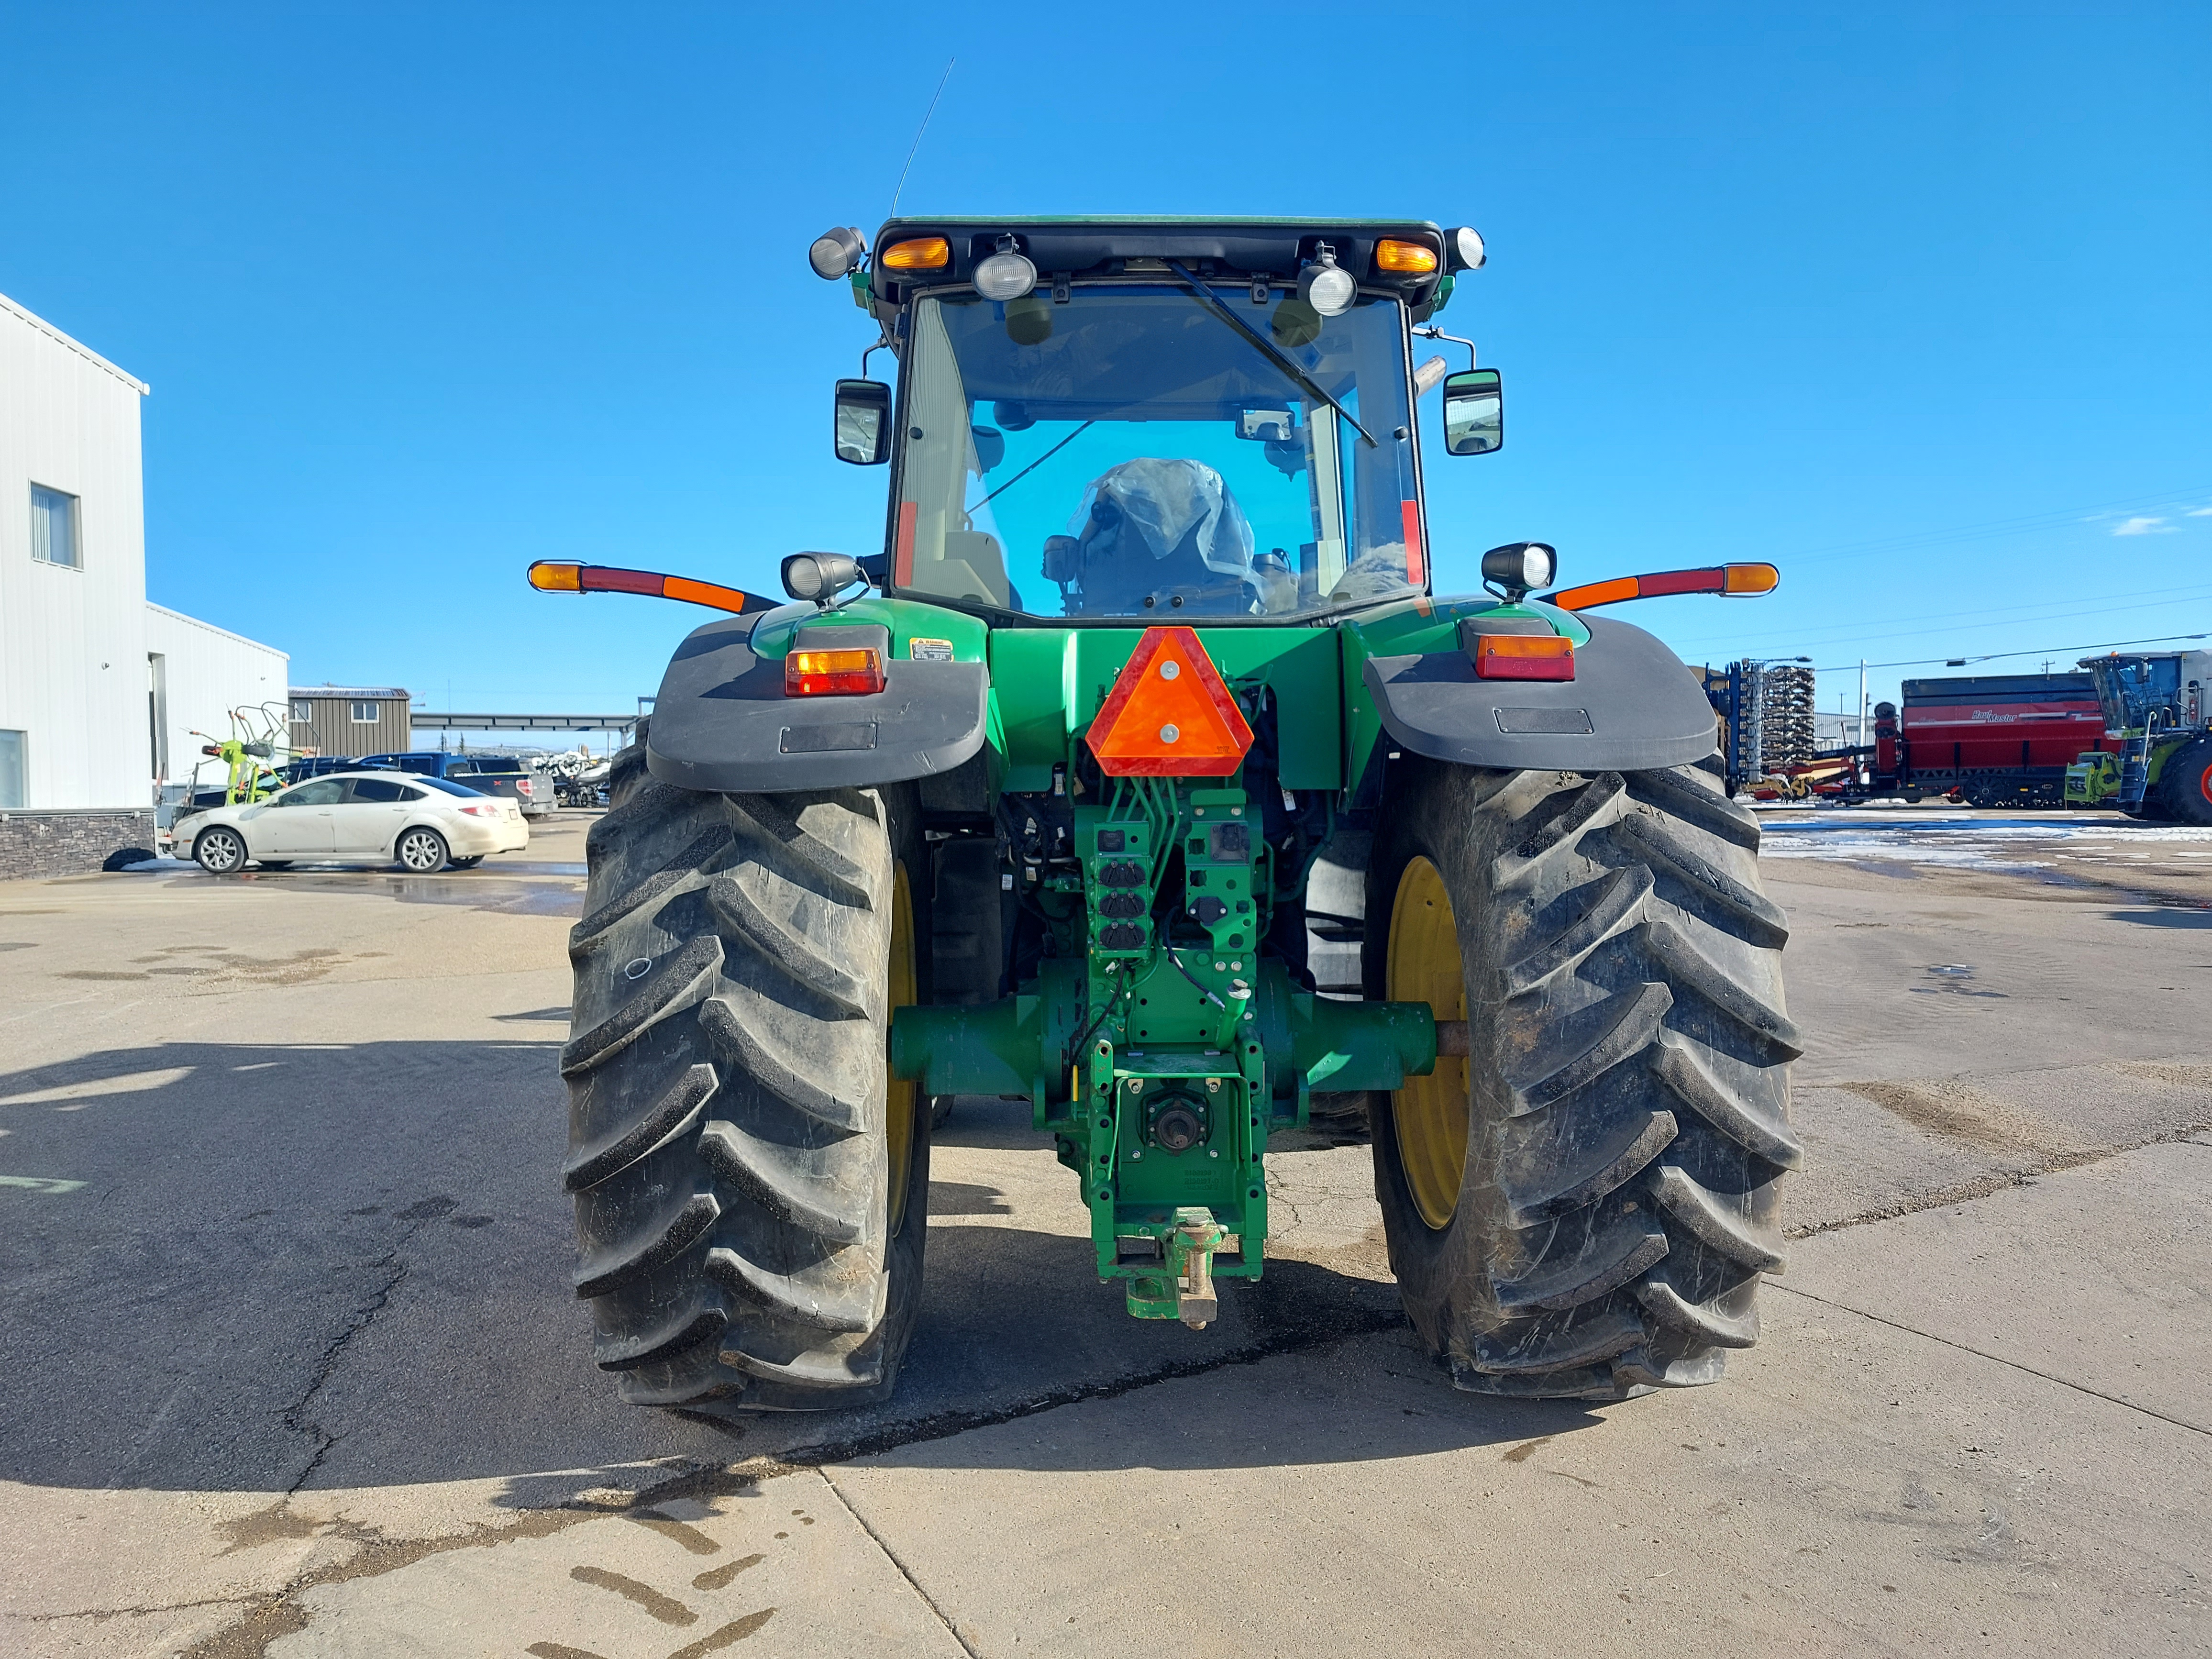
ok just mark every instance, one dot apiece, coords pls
pixel 238 1267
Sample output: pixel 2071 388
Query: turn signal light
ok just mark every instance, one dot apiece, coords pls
pixel 1523 657
pixel 1405 258
pixel 1751 578
pixel 844 673
pixel 922 254
pixel 551 578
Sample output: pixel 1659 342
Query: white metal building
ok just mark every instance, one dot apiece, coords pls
pixel 197 674
pixel 98 690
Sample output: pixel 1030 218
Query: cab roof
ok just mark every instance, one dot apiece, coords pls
pixel 1223 249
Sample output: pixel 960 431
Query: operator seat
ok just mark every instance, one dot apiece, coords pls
pixel 1168 530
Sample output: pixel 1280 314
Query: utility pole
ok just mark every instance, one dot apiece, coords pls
pixel 1862 703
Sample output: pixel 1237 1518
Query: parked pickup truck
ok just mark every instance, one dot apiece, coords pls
pixel 495 774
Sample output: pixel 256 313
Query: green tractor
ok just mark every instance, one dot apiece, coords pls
pixel 2159 704
pixel 1030 804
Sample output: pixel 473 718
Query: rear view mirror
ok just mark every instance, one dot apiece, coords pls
pixel 1474 412
pixel 1270 425
pixel 864 422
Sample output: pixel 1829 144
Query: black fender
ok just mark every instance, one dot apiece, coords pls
pixel 1631 707
pixel 722 721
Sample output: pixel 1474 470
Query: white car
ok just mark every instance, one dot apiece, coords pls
pixel 421 823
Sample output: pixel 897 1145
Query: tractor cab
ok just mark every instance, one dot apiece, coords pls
pixel 2151 691
pixel 1144 422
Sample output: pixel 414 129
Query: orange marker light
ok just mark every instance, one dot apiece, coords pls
pixel 1523 657
pixel 922 254
pixel 1737 578
pixel 1169 714
pixel 842 673
pixel 1405 258
pixel 549 577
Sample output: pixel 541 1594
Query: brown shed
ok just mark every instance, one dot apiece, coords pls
pixel 349 720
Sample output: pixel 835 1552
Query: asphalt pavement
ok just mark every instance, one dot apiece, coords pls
pixel 292 1367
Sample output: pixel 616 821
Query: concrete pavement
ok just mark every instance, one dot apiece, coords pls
pixel 292 1368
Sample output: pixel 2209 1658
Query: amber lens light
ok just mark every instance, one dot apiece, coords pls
pixel 1750 578
pixel 848 673
pixel 1524 657
pixel 556 578
pixel 1405 258
pixel 922 253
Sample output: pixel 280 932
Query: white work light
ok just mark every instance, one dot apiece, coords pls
pixel 1006 275
pixel 1466 250
pixel 1325 285
pixel 835 252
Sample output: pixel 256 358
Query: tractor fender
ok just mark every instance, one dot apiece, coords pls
pixel 1631 707
pixel 722 721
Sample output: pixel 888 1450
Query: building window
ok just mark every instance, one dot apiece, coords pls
pixel 364 713
pixel 12 790
pixel 303 714
pixel 53 528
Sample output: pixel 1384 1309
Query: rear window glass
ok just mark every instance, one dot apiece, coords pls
pixel 449 788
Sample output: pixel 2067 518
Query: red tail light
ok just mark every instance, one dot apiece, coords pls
pixel 1524 657
pixel 842 673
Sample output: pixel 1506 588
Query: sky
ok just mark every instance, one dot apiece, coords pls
pixel 1910 301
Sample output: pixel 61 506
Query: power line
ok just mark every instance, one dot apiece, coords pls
pixel 1995 656
pixel 2194 590
pixel 2050 518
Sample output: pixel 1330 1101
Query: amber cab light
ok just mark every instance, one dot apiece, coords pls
pixel 921 254
pixel 1405 258
pixel 1523 657
pixel 843 673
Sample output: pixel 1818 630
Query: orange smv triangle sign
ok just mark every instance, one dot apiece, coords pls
pixel 1169 714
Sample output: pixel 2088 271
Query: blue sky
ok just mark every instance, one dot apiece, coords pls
pixel 1911 301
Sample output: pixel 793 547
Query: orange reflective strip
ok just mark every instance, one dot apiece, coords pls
pixel 1417 566
pixel 1611 592
pixel 902 552
pixel 711 594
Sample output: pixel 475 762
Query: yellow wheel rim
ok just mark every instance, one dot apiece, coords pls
pixel 1430 1112
pixel 898 1093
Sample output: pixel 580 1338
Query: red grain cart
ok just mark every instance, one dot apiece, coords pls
pixel 1988 740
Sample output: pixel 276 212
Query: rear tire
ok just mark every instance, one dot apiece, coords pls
pixel 1582 1208
pixel 750 1186
pixel 420 851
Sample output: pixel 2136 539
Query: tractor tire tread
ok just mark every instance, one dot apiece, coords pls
pixel 1630 1120
pixel 728 1115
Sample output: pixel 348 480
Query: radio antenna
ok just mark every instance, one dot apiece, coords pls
pixel 918 132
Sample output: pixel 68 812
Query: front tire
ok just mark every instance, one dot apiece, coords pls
pixel 220 851
pixel 750 1184
pixel 1583 1206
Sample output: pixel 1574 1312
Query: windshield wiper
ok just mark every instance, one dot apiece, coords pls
pixel 1305 382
